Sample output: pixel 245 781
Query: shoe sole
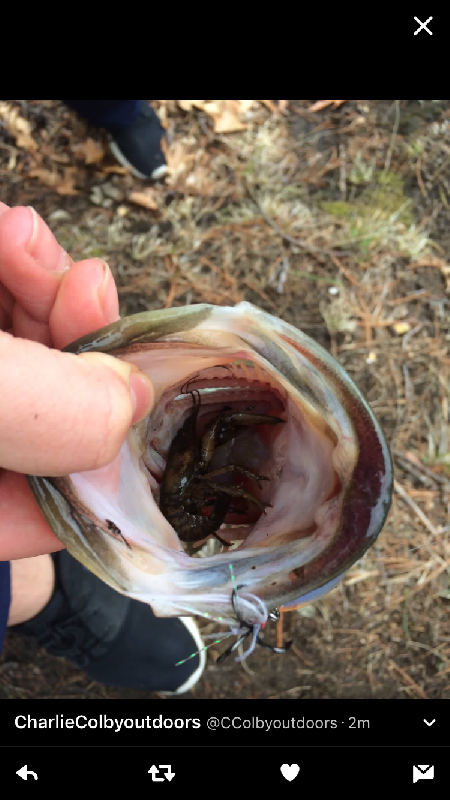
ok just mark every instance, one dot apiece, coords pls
pixel 191 625
pixel 159 172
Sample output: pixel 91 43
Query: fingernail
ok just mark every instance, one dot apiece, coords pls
pixel 106 297
pixel 142 394
pixel 34 229
pixel 60 261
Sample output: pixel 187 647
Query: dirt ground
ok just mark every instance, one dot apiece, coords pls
pixel 335 217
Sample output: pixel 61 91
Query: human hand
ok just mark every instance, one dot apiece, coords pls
pixel 59 413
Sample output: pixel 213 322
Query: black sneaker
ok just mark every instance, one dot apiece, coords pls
pixel 138 146
pixel 115 640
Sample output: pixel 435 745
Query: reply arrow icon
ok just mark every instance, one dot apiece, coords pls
pixel 23 772
pixel 429 723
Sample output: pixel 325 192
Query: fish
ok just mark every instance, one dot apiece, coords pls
pixel 328 469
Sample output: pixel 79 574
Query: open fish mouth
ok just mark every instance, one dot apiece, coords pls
pixel 237 385
pixel 326 468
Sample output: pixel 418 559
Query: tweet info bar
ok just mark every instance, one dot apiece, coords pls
pixel 176 723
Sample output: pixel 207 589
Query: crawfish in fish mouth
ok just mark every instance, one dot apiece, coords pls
pixel 189 485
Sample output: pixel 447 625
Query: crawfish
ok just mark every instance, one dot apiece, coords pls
pixel 188 483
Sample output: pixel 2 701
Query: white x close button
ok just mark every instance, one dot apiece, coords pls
pixel 423 26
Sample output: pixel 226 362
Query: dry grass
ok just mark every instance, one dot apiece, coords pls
pixel 336 221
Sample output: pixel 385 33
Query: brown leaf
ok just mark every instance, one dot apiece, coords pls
pixel 116 169
pixel 164 147
pixel 63 185
pixel 245 105
pixel 225 115
pixel 18 127
pixel 320 104
pixel 197 182
pixel 189 168
pixel 180 157
pixel 146 198
pixel 188 105
pixel 90 151
pixel 59 158
pixel 45 176
pixel 66 186
pixel 271 106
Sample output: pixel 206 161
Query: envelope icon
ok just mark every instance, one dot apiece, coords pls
pixel 422 772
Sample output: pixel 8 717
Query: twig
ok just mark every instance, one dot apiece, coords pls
pixel 384 293
pixel 418 511
pixel 440 169
pixel 271 106
pixel 420 466
pixel 413 470
pixel 280 272
pixel 290 692
pixel 431 651
pixel 345 272
pixel 171 269
pixel 410 594
pixel 408 680
pixel 171 295
pixel 441 192
pixel 253 286
pixel 343 172
pixel 387 163
pixel 280 630
pixel 297 242
pixel 300 655
pixel 419 179
pixel 414 296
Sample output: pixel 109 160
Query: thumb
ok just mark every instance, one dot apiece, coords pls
pixel 63 413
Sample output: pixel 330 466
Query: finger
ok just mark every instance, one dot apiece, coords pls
pixel 87 300
pixel 26 327
pixel 24 531
pixel 6 301
pixel 6 308
pixel 62 413
pixel 31 261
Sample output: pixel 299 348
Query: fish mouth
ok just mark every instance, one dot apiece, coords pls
pixel 238 387
pixel 295 457
pixel 328 468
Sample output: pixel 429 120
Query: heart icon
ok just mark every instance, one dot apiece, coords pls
pixel 289 771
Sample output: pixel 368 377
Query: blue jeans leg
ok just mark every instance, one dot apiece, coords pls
pixel 106 113
pixel 5 597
